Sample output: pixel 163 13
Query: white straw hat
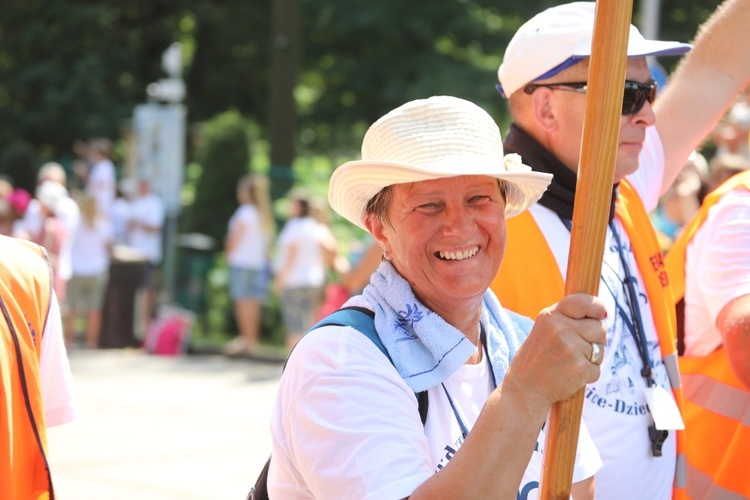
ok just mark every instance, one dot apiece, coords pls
pixel 428 139
pixel 559 37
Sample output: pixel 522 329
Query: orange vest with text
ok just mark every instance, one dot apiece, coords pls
pixel 529 280
pixel 717 404
pixel 25 290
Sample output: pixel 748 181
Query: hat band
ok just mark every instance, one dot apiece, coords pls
pixel 572 60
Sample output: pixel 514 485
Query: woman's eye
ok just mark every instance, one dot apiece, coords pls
pixel 429 207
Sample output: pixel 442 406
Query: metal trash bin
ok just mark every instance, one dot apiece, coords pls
pixel 195 259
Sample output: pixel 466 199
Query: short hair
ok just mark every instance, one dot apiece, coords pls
pixel 101 145
pixel 304 206
pixel 52 171
pixel 378 205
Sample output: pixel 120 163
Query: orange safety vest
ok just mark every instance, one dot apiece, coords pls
pixel 529 280
pixel 717 404
pixel 25 290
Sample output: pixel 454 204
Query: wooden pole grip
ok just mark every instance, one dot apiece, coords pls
pixel 601 132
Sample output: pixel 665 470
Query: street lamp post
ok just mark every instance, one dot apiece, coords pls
pixel 159 127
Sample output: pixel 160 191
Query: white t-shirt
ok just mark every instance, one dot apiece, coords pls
pixel 119 216
pixel 60 403
pixel 346 425
pixel 308 267
pixel 250 250
pixel 615 410
pixel 717 270
pixel 68 212
pixel 90 254
pixel 147 210
pixel 101 184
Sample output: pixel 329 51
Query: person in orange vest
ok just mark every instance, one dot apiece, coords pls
pixel 633 410
pixel 709 267
pixel 36 389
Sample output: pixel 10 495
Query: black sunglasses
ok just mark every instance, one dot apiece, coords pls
pixel 635 96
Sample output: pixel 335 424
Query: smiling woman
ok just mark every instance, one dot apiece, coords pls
pixel 434 189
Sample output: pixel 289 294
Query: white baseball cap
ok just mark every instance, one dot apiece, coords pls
pixel 428 139
pixel 559 37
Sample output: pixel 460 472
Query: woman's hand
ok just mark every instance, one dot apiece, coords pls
pixel 555 360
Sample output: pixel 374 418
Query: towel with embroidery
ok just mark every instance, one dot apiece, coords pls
pixel 424 348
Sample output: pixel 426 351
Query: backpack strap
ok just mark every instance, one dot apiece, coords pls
pixel 359 318
pixel 363 320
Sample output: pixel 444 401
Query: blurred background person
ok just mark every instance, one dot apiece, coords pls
pixel 18 200
pixel 334 293
pixel 681 201
pixel 300 269
pixel 334 261
pixel 52 233
pixel 145 234
pixel 360 271
pixel 121 207
pixel 6 217
pixel 102 178
pixel 6 186
pixel 80 166
pixel 725 166
pixel 90 260
pixel 247 245
pixel 66 210
pixel 6 210
pixel 732 133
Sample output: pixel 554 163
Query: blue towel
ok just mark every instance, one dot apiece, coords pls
pixel 424 348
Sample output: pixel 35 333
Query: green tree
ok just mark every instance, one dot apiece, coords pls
pixel 72 70
pixel 223 156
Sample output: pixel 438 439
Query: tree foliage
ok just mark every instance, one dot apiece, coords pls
pixel 73 69
pixel 224 157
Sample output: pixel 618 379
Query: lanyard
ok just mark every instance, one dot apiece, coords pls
pixel 635 326
pixel 657 437
pixel 461 425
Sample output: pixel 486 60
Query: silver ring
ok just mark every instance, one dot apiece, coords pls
pixel 596 352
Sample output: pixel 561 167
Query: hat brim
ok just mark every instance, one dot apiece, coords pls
pixel 355 183
pixel 636 48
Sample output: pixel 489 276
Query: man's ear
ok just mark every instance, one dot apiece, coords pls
pixel 543 109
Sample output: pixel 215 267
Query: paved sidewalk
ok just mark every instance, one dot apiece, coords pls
pixel 152 427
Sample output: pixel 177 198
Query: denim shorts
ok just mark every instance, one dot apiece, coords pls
pixel 247 283
pixel 298 308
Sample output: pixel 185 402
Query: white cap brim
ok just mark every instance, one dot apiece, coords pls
pixel 559 37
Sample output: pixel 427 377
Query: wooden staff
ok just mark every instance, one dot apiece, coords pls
pixel 601 130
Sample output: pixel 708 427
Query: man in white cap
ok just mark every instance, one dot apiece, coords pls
pixel 632 410
pixel 434 189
